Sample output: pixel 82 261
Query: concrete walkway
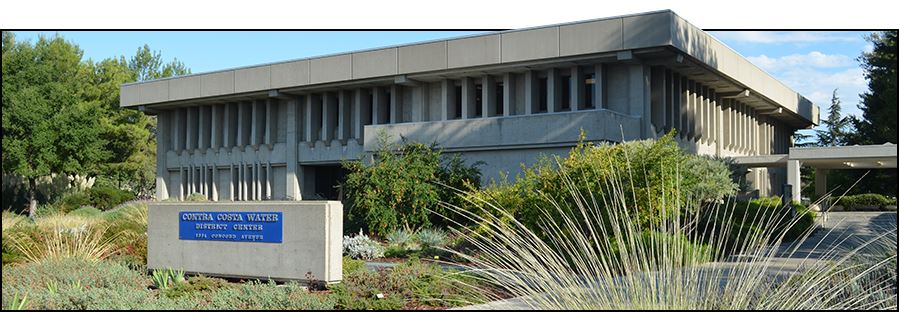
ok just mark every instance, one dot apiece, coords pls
pixel 838 234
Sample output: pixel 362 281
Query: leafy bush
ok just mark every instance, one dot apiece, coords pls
pixel 403 187
pixel 105 197
pixel 72 200
pixel 410 284
pixel 86 211
pixel 432 238
pixel 853 201
pixel 661 178
pixel 362 247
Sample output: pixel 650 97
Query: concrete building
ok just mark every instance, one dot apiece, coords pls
pixel 280 130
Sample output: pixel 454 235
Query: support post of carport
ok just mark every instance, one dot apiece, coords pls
pixel 793 178
pixel 820 182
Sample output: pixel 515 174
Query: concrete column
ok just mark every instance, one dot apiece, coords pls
pixel 468 98
pixel 257 181
pixel 242 119
pixel 292 191
pixel 181 184
pixel 531 92
pixel 820 182
pixel 227 138
pixel 576 86
pixel 553 90
pixel 690 105
pixel 447 99
pixel 190 179
pixel 329 115
pixel 344 115
pixel 598 78
pixel 396 104
pixel 163 121
pixel 258 118
pixel 362 113
pixel 243 181
pixel 488 96
pixel 639 95
pixel 215 182
pixel 270 106
pixel 508 94
pixel 215 138
pixel 702 114
pixel 203 181
pixel 232 179
pixel 719 126
pixel 793 178
pixel 677 109
pixel 268 181
pixel 202 128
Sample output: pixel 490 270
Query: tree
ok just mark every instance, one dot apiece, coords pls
pixel 835 132
pixel 878 104
pixel 47 127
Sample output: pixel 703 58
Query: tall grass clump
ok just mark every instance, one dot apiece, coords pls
pixel 58 236
pixel 594 249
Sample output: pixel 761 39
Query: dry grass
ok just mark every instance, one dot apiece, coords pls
pixel 62 237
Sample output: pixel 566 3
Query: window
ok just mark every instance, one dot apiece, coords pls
pixel 566 93
pixel 589 80
pixel 542 96
pixel 499 99
pixel 478 100
pixel 457 114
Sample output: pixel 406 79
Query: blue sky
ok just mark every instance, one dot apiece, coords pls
pixel 813 63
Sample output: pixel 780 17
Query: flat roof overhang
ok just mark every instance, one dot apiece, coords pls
pixel 654 38
pixel 831 157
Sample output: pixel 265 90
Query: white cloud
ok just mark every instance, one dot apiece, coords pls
pixel 811 59
pixel 783 36
pixel 817 85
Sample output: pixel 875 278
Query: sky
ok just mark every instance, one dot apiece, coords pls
pixel 813 63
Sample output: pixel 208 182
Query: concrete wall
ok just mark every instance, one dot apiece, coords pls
pixel 312 242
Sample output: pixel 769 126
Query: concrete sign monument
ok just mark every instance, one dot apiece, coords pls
pixel 280 240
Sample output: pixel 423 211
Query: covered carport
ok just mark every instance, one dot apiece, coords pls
pixel 823 159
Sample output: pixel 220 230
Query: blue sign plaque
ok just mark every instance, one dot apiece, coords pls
pixel 257 227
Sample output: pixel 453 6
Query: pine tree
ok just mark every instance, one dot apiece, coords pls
pixel 835 127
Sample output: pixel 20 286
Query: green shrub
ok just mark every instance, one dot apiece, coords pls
pixel 63 284
pixel 351 265
pixel 72 200
pixel 105 197
pixel 86 211
pixel 659 176
pixel 196 197
pixel 853 201
pixel 195 285
pixel 403 187
pixel 412 283
pixel 264 296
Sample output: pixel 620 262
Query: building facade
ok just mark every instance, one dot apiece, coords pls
pixel 280 130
